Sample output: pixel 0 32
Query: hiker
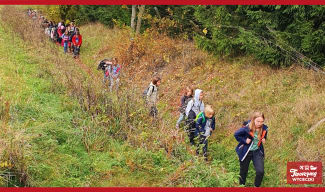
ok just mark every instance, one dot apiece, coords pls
pixel 205 124
pixel 60 33
pixel 115 75
pixel 152 96
pixel 76 44
pixel 188 95
pixel 251 138
pixel 194 107
pixel 65 41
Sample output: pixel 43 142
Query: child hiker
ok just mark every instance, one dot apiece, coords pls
pixel 194 107
pixel 188 95
pixel 152 96
pixel 76 44
pixel 205 124
pixel 65 40
pixel 115 75
pixel 250 147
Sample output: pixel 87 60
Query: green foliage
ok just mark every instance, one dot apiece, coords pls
pixel 108 15
pixel 272 34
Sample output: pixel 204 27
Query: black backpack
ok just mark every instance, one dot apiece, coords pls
pixel 102 65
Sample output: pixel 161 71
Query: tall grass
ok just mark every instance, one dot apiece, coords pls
pixel 292 99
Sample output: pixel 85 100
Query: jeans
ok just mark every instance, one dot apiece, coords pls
pixel 258 162
pixel 117 80
pixel 65 46
pixel 181 117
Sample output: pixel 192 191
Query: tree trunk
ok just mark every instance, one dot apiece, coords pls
pixel 141 11
pixel 134 13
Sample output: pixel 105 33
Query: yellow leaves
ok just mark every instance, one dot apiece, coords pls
pixel 205 31
pixel 124 7
pixel 5 164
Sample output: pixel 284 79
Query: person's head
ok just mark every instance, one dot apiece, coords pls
pixel 66 32
pixel 198 95
pixel 188 91
pixel 156 81
pixel 77 33
pixel 257 122
pixel 115 60
pixel 208 111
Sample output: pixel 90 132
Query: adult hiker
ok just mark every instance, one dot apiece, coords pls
pixel 194 107
pixel 65 41
pixel 188 95
pixel 152 96
pixel 250 147
pixel 115 74
pixel 76 44
pixel 205 124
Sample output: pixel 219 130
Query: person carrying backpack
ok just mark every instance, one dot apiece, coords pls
pixel 76 44
pixel 194 107
pixel 114 74
pixel 205 124
pixel 65 41
pixel 188 95
pixel 250 147
pixel 105 65
pixel 152 96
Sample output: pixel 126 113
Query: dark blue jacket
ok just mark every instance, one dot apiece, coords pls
pixel 242 148
pixel 200 124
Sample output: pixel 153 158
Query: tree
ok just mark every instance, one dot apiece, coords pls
pixel 134 13
pixel 141 11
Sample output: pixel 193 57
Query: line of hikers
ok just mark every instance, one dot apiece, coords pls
pixel 200 123
pixel 199 118
pixel 66 35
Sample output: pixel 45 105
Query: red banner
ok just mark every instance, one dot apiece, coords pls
pixel 165 2
pixel 304 173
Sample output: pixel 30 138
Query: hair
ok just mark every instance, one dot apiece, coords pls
pixel 155 80
pixel 189 88
pixel 208 109
pixel 252 126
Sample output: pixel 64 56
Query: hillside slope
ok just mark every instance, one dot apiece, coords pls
pixel 292 100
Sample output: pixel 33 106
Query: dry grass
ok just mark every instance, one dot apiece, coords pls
pixel 292 98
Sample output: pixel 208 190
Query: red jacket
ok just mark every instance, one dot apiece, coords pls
pixel 74 40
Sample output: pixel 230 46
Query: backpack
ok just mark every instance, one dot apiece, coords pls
pixel 144 94
pixel 198 116
pixel 102 65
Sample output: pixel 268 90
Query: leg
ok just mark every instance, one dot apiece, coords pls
pixel 191 126
pixel 181 117
pixel 111 80
pixel 258 161
pixel 117 83
pixel 244 165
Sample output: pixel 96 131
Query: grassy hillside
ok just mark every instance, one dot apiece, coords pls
pixel 65 117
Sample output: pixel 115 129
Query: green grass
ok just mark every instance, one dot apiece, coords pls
pixel 52 121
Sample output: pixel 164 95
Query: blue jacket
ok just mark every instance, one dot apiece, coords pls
pixel 200 124
pixel 243 148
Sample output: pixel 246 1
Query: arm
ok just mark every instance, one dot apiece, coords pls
pixel 182 100
pixel 80 40
pixel 240 135
pixel 213 124
pixel 149 91
pixel 202 107
pixel 188 107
